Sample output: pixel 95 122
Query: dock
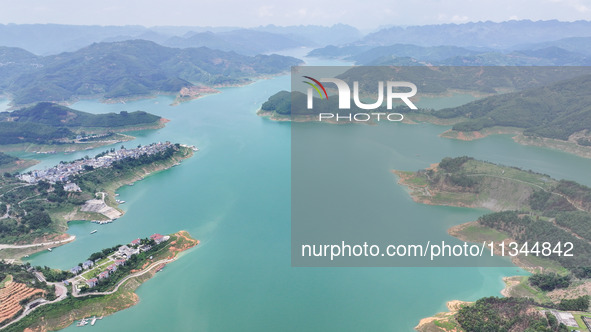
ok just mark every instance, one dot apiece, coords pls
pixel 102 222
pixel 84 321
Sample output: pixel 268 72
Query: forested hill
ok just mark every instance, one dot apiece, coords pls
pixel 530 206
pixel 45 122
pixel 554 111
pixel 127 69
pixel 61 116
pixel 6 159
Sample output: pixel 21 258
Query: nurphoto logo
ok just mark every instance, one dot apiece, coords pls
pixel 344 98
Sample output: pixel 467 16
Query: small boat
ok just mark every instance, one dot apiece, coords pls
pixel 93 321
pixel 93 232
pixel 49 249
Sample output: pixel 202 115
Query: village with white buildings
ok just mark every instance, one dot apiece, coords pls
pixel 64 171
pixel 89 273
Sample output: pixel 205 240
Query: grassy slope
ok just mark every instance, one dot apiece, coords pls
pixel 502 188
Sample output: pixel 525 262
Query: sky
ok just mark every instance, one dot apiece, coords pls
pixel 249 13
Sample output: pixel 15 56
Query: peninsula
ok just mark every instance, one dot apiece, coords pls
pixel 41 299
pixel 49 128
pixel 37 205
pixel 554 115
pixel 528 208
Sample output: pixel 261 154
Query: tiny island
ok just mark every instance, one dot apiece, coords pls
pixel 527 207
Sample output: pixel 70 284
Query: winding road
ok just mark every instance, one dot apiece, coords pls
pixel 60 291
pixel 137 274
pixel 20 246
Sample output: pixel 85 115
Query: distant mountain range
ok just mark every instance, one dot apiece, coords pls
pixel 244 41
pixel 406 54
pixel 46 39
pixel 502 35
pixel 126 69
pixel 513 43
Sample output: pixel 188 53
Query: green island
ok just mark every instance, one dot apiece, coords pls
pixel 279 108
pixel 50 128
pixel 37 205
pixel 42 299
pixel 555 115
pixel 528 207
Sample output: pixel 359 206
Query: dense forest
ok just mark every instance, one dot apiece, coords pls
pixel 549 211
pixel 554 111
pixel 549 281
pixel 525 229
pixel 495 314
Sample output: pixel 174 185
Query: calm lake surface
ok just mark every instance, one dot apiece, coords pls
pixel 234 196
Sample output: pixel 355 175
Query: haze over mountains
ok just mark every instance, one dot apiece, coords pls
pixel 59 63
pixel 512 43
pixel 46 39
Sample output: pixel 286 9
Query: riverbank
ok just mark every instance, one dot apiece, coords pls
pixel 570 146
pixel 114 137
pixel 442 321
pixel 540 200
pixel 128 177
pixel 18 165
pixel 62 314
pixel 101 186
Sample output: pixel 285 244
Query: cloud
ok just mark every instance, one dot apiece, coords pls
pixel 578 5
pixel 265 11
pixel 251 13
pixel 459 19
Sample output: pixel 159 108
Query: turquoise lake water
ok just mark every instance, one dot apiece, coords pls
pixel 234 196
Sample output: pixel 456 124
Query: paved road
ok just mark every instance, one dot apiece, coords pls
pixel 60 290
pixel 20 246
pixel 137 274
